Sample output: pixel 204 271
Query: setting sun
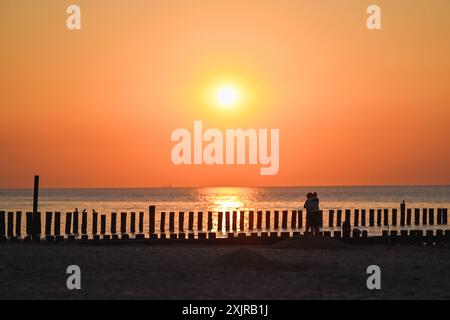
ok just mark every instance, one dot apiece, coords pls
pixel 227 96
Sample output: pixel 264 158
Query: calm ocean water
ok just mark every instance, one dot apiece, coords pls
pixel 217 199
pixel 106 201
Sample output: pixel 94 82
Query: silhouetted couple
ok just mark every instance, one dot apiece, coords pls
pixel 312 213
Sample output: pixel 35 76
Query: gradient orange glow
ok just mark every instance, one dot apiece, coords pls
pixel 96 107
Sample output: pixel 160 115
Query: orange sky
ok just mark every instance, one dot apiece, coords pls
pixel 96 107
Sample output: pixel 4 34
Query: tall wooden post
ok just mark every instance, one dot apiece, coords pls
pixel 36 194
pixel 363 217
pixel 35 206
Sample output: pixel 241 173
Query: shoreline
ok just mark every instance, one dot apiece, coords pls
pixel 135 271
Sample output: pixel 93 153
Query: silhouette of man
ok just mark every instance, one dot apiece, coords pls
pixel 309 206
pixel 316 214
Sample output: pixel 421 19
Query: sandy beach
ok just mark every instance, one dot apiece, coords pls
pixel 38 271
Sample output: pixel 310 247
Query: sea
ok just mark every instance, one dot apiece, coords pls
pixel 217 199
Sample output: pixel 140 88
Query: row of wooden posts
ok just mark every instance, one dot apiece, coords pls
pixel 379 217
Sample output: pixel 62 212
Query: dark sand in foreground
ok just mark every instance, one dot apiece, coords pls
pixel 228 272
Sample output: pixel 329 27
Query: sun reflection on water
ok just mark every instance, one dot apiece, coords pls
pixel 227 199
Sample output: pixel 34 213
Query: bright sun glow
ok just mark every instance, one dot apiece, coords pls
pixel 227 96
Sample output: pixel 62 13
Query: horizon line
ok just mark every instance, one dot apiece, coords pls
pixel 234 186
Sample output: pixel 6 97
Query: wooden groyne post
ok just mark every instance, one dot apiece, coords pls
pixel 259 220
pixel 18 224
pixel 10 224
pixel 330 218
pixel 94 223
pixel 151 218
pixel 57 225
pixel 219 221
pixel 416 216
pixel 133 222
pixel 200 221
pixel 141 221
pixel 300 218
pixel 276 219
pixel 294 219
pixel 339 218
pixel 242 220
pixel 36 217
pixel 2 226
pixel 181 221
pixel 356 218
pixel 284 219
pixel 171 222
